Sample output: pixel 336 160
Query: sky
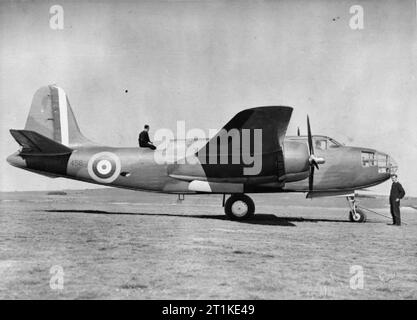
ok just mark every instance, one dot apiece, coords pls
pixel 127 63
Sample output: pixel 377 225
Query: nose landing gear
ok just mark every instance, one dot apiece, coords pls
pixel 355 214
pixel 239 207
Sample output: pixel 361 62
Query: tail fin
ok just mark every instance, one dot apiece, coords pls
pixel 34 143
pixel 51 116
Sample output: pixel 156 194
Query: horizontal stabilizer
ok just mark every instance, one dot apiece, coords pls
pixel 34 143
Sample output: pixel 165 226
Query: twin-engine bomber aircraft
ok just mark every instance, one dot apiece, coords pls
pixel 52 145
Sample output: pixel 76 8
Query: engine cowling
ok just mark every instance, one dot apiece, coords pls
pixel 296 159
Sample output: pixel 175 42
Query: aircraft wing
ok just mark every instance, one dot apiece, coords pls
pixel 215 187
pixel 255 134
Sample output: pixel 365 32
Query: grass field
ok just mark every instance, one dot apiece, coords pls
pixel 114 244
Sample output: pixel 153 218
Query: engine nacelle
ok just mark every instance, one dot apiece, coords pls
pixel 296 155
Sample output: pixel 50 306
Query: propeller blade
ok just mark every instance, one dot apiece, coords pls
pixel 311 179
pixel 310 138
pixel 313 160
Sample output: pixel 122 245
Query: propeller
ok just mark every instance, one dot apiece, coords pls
pixel 313 160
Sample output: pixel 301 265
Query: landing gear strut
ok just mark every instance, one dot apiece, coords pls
pixel 355 214
pixel 239 207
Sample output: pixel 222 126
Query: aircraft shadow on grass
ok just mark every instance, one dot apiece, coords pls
pixel 260 219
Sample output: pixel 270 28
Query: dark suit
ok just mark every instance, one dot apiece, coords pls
pixel 397 192
pixel 144 141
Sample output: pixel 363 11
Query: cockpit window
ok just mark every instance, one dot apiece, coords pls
pixel 320 144
pixel 368 159
pixel 333 143
pixel 323 143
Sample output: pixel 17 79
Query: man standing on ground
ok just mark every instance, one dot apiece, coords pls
pixel 397 193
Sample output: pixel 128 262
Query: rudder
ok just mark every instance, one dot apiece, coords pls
pixel 51 116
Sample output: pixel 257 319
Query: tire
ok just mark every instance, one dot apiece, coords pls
pixel 239 207
pixel 359 217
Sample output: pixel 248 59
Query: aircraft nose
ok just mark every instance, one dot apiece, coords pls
pixel 392 165
pixel 386 163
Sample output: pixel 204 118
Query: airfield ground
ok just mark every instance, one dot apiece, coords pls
pixel 116 244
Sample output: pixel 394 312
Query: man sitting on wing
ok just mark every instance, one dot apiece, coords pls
pixel 144 141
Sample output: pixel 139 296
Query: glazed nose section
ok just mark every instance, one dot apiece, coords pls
pixel 392 165
pixel 386 164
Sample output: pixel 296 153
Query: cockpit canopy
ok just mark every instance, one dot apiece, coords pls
pixel 324 143
pixel 319 142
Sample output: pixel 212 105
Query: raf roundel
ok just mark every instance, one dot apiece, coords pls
pixel 104 167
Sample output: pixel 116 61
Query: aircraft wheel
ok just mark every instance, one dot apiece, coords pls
pixel 239 207
pixel 360 216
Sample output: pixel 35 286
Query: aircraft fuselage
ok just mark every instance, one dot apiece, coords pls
pixel 136 168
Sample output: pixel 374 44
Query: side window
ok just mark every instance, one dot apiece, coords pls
pixel 368 159
pixel 320 144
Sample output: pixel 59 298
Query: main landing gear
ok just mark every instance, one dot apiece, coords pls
pixel 355 214
pixel 239 207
